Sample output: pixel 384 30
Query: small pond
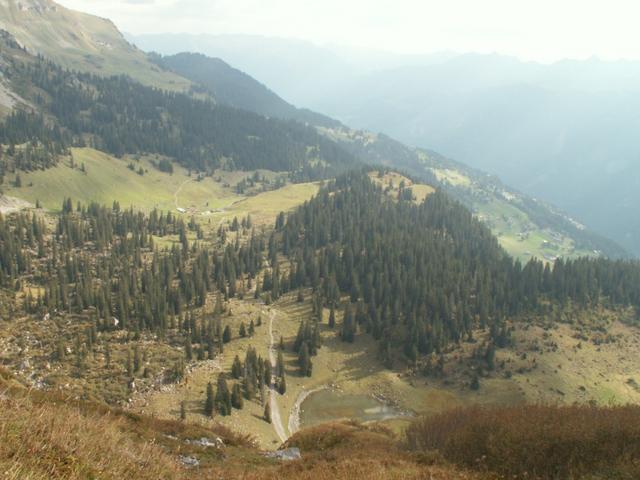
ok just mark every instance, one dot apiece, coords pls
pixel 329 405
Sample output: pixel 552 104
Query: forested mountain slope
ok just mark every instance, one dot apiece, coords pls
pixel 422 276
pixel 118 115
pixel 538 127
pixel 232 87
pixel 525 226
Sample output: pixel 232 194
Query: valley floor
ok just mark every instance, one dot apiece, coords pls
pixel 559 363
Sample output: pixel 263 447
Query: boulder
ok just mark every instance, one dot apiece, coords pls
pixel 189 461
pixel 286 454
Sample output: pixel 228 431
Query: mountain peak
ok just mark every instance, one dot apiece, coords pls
pixel 80 41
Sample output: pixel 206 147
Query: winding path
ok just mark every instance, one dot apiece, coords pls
pixel 276 419
pixel 175 195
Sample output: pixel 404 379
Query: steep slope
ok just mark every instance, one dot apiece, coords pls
pixel 120 116
pixel 234 88
pixel 81 42
pixel 295 69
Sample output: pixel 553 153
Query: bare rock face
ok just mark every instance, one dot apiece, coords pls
pixel 287 454
pixel 189 461
pixel 217 442
pixel 11 204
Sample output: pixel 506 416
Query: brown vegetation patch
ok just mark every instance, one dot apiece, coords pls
pixel 540 442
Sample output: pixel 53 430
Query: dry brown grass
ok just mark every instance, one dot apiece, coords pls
pixel 536 442
pixel 45 435
pixel 54 440
pixel 349 450
pixel 49 441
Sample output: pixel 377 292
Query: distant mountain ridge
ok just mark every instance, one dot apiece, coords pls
pixel 236 89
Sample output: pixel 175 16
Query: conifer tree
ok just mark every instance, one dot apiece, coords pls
pixel 236 368
pixel 60 350
pixel 209 401
pixel 236 397
pixel 107 354
pixel 136 359
pixel 282 385
pixel 348 332
pixel 223 396
pixel 188 349
pixel 226 335
pixel 304 360
pixel 280 364
pixel 129 364
pixel 267 412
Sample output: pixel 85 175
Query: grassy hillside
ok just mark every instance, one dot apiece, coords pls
pixel 503 212
pixel 391 182
pixel 106 179
pixel 81 42
pixel 539 442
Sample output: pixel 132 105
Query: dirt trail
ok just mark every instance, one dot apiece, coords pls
pixel 175 195
pixel 276 420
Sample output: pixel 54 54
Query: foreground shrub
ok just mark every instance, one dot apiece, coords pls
pixel 539 442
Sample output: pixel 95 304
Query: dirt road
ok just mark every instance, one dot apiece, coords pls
pixel 276 419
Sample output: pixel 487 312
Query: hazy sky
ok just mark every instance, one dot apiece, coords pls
pixel 543 30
